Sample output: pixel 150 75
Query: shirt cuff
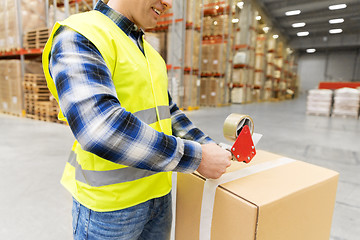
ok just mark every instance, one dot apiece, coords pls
pixel 190 154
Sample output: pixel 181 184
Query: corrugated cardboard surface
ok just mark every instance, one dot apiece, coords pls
pixel 293 201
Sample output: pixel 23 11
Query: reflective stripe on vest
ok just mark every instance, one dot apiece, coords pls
pixel 103 178
pixel 149 115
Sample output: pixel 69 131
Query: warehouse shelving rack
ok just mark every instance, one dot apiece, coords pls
pixel 187 17
pixel 191 68
pixel 241 89
pixel 23 53
pixel 216 34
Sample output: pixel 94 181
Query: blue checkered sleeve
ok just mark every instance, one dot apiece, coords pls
pixel 102 126
pixel 182 126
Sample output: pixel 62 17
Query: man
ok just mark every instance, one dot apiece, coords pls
pixel 111 86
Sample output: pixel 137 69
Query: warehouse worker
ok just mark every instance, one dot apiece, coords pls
pixel 111 86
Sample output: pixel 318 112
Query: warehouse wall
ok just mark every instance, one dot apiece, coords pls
pixel 332 66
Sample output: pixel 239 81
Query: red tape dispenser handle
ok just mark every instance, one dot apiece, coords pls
pixel 243 149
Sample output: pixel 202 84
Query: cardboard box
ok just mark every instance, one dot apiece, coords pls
pixel 190 91
pixel 238 95
pixel 293 201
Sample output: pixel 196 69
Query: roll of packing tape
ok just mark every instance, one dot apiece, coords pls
pixel 234 123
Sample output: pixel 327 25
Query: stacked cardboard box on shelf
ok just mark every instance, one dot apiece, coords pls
pixel 158 41
pixel 237 95
pixel 260 65
pixel 221 25
pixel 193 12
pixel 4 87
pixel 192 42
pixel 346 102
pixel 2 25
pixel 10 87
pixel 218 62
pixel 212 91
pixel 267 89
pixel 190 91
pixel 32 14
pixel 319 102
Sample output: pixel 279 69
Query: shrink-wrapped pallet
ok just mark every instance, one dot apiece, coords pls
pixel 192 40
pixel 221 25
pixel 206 58
pixel 258 78
pixel 239 75
pixel 319 102
pixel 10 87
pixel 260 43
pixel 193 12
pixel 4 87
pixel 267 94
pixel 268 84
pixel 271 44
pixel 278 61
pixel 208 26
pixel 214 93
pixel 190 91
pixel 203 91
pixel 240 58
pixel 259 62
pixel 218 61
pixel 157 41
pixel 270 70
pixel 14 73
pixel 346 102
pixel 238 95
pixel 2 28
pixel 211 91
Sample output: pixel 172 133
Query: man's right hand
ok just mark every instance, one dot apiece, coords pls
pixel 214 161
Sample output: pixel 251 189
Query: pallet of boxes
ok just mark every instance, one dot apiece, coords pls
pixel 319 102
pixel 346 102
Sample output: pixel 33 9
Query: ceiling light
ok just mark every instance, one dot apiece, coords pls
pixel 258 18
pixel 337 6
pixel 275 36
pixel 297 25
pixel 334 31
pixel 310 50
pixel 337 20
pixel 217 7
pixel 235 20
pixel 215 22
pixel 266 29
pixel 302 34
pixel 240 5
pixel 292 13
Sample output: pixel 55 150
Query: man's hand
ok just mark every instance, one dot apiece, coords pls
pixel 214 161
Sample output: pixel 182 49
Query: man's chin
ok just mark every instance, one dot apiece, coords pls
pixel 150 26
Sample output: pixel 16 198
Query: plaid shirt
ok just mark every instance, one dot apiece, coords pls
pixel 88 99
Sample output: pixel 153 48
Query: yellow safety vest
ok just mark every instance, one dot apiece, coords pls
pixel 141 86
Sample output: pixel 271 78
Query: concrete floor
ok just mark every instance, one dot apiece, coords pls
pixel 34 206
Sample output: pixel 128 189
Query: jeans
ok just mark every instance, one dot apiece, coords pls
pixel 146 221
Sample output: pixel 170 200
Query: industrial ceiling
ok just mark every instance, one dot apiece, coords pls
pixel 315 16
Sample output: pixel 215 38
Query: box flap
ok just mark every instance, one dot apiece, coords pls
pixel 276 183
